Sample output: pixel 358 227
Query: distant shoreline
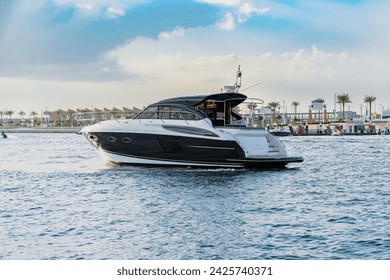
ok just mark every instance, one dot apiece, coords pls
pixel 43 130
pixel 77 129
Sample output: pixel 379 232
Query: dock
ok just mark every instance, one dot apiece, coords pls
pixel 43 130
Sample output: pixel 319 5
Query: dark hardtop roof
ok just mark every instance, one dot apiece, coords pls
pixel 195 100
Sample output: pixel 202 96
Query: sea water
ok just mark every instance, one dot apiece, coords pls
pixel 60 200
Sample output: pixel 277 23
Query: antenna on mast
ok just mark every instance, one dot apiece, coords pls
pixel 237 85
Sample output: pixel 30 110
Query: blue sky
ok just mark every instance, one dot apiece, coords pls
pixel 67 53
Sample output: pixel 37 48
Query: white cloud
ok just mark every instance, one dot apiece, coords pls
pixel 189 65
pixel 239 11
pixel 166 70
pixel 177 32
pixel 115 12
pixel 247 10
pixel 228 3
pixel 111 8
pixel 227 23
pixel 187 61
pixel 84 6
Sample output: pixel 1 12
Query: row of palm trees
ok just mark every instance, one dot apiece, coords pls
pixel 341 99
pixel 9 114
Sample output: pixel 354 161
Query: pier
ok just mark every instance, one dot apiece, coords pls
pixel 43 130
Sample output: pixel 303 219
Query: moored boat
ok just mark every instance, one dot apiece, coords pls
pixel 3 134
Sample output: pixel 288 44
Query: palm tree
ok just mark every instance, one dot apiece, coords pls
pixel 274 105
pixel 369 99
pixel 9 114
pixel 342 99
pixel 295 104
pixel 21 115
pixel 252 106
pixel 46 117
pixel 59 116
pixel 33 114
pixel 318 100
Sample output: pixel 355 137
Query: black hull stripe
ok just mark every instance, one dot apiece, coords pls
pixel 235 163
pixel 268 160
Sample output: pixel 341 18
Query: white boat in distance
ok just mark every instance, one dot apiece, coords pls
pixel 197 131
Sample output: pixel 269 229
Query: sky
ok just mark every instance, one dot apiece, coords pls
pixel 110 53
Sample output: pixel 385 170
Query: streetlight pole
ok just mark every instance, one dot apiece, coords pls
pixel 334 106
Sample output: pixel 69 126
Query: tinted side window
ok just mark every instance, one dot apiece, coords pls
pixel 169 112
pixel 149 113
pixel 180 113
pixel 165 112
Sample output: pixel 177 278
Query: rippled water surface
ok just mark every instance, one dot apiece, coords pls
pixel 59 200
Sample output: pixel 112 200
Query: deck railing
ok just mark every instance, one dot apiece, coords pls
pixel 89 118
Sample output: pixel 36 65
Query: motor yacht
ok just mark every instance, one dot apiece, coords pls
pixel 193 131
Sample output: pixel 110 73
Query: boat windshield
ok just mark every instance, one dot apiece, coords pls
pixel 169 112
pixel 222 113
